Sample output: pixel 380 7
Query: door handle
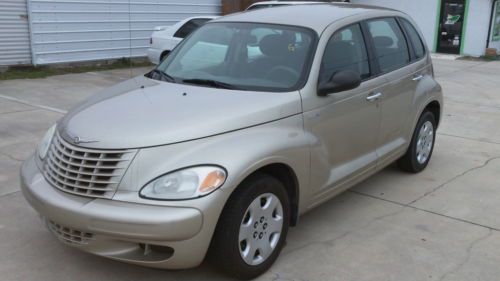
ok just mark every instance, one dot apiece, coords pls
pixel 374 96
pixel 418 77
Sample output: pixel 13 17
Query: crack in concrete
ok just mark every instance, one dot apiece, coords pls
pixel 278 277
pixel 424 210
pixel 471 103
pixel 49 108
pixel 467 256
pixel 454 178
pixel 18 111
pixel 469 139
pixel 10 193
pixel 331 242
pixel 11 157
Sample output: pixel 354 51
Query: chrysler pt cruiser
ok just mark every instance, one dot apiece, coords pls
pixel 253 120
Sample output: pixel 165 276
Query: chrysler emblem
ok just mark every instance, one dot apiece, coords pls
pixel 77 139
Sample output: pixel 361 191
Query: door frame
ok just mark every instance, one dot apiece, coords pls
pixel 439 9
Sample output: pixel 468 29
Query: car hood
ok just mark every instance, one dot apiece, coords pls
pixel 142 112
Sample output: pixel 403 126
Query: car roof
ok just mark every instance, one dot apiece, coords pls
pixel 314 16
pixel 201 17
pixel 275 2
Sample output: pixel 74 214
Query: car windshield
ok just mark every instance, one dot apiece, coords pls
pixel 244 56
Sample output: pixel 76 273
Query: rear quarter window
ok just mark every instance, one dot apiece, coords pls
pixel 415 39
pixel 390 45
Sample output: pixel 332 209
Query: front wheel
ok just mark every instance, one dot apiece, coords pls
pixel 252 229
pixel 422 144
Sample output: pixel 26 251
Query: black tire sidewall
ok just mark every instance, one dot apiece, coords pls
pixel 227 232
pixel 426 116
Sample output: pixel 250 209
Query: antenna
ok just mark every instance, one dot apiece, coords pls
pixel 130 38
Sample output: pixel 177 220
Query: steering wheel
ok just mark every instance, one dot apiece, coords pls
pixel 283 73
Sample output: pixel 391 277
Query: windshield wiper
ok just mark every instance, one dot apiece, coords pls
pixel 212 83
pixel 163 76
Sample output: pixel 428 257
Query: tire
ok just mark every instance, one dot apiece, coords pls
pixel 421 147
pixel 229 246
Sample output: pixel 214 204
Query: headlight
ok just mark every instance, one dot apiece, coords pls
pixel 44 145
pixel 185 184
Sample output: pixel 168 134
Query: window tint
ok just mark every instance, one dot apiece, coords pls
pixel 346 50
pixel 390 44
pixel 189 27
pixel 415 39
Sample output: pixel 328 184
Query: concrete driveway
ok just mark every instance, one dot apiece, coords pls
pixel 442 224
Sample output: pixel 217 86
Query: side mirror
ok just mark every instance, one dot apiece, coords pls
pixel 341 81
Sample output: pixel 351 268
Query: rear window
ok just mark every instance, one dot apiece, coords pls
pixel 189 27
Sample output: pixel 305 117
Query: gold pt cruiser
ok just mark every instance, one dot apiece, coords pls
pixel 253 120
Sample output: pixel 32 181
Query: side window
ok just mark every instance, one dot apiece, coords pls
pixel 346 50
pixel 415 39
pixel 189 27
pixel 390 44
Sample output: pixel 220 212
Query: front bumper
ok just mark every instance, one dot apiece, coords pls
pixel 150 235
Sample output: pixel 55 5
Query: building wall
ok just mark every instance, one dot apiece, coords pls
pixel 476 30
pixel 425 13
pixel 14 33
pixel 84 30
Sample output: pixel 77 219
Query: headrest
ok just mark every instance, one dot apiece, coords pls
pixel 275 45
pixel 383 41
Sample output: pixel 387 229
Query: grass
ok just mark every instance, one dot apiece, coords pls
pixel 482 58
pixel 31 72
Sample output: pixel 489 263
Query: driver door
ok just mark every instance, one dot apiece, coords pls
pixel 346 126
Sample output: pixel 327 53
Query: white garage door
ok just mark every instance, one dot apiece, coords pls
pixel 83 30
pixel 14 33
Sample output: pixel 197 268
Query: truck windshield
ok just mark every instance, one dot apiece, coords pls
pixel 244 56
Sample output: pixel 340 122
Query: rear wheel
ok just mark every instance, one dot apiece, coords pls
pixel 252 229
pixel 419 153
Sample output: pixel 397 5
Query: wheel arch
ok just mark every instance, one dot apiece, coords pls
pixel 287 176
pixel 435 108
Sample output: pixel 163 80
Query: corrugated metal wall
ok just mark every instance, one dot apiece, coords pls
pixel 14 33
pixel 83 30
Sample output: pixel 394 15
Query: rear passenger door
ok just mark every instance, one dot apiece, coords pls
pixel 393 56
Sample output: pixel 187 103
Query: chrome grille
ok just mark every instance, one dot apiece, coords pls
pixel 69 235
pixel 82 171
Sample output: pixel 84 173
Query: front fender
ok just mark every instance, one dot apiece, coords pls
pixel 240 152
